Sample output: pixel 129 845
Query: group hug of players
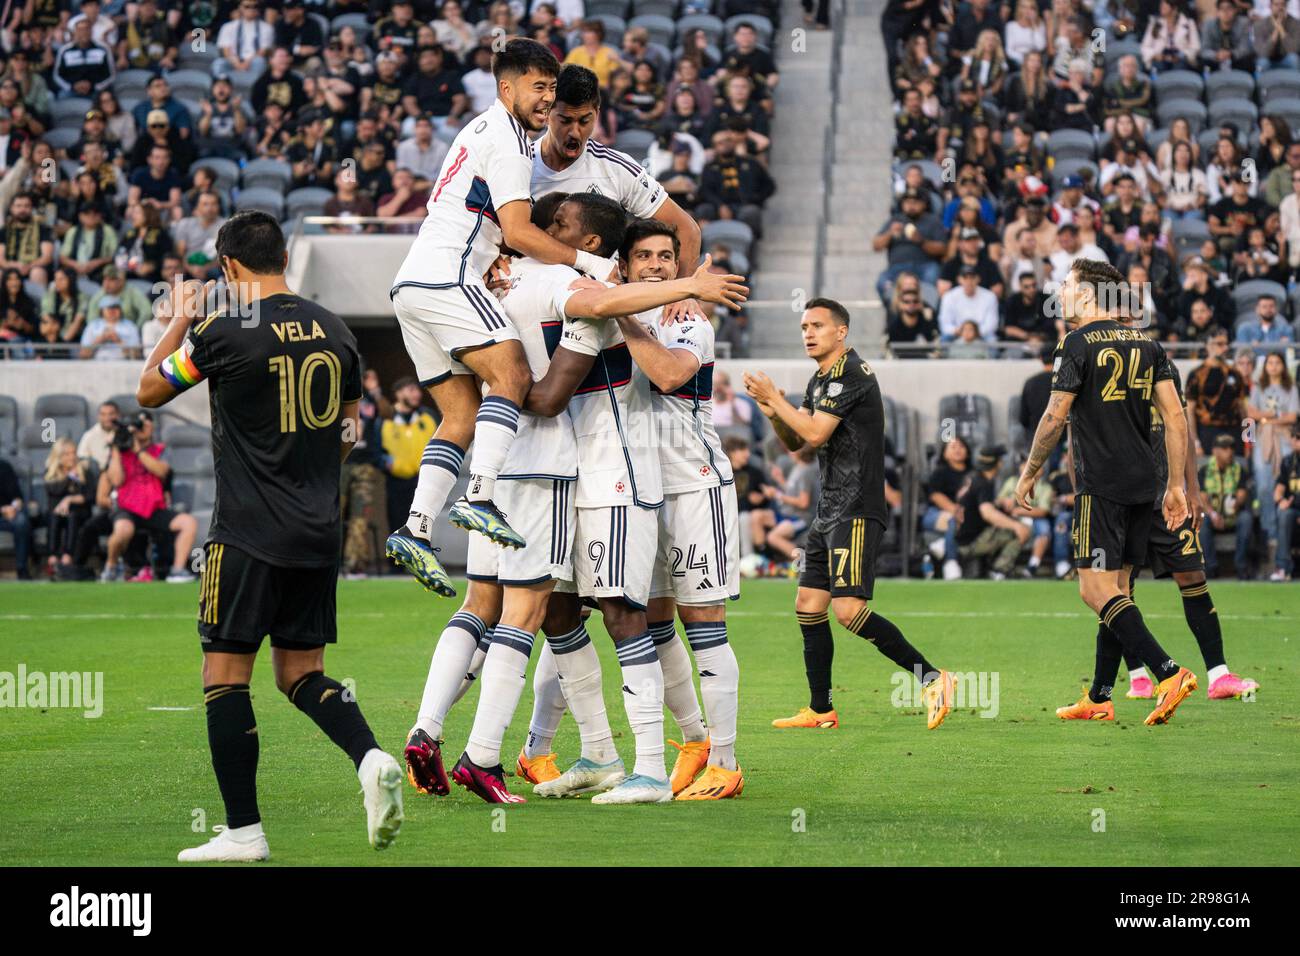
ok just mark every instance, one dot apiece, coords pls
pixel 550 306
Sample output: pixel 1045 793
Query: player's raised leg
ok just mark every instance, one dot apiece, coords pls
pixel 452 661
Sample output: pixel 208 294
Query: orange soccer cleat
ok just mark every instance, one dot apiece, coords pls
pixel 690 761
pixel 1171 692
pixel 1086 709
pixel 715 784
pixel 807 717
pixel 537 769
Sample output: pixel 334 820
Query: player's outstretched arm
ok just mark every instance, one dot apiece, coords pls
pixel 550 395
pixel 1046 438
pixel 1171 410
pixel 669 369
pixel 633 297
pixel 168 370
pixel 794 426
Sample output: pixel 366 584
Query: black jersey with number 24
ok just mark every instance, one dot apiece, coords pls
pixel 1112 371
pixel 276 384
pixel 852 461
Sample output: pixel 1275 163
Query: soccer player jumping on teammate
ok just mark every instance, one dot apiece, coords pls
pixel 843 417
pixel 284 391
pixel 1104 381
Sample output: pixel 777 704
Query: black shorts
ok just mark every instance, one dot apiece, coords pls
pixel 1173 551
pixel 242 599
pixel 157 524
pixel 842 560
pixel 1108 535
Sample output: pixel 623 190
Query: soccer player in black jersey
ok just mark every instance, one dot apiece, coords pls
pixel 1177 552
pixel 843 417
pixel 1105 378
pixel 284 384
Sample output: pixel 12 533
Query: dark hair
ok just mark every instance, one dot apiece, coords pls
pixel 577 86
pixel 734 443
pixel 1094 273
pixel 601 216
pixel 254 240
pixel 544 209
pixel 594 26
pixel 522 56
pixel 839 314
pixel 640 229
pixel 401 383
pixel 1263 381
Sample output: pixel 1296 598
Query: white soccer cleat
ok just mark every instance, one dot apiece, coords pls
pixel 585 776
pixel 381 781
pixel 637 788
pixel 224 848
pixel 952 570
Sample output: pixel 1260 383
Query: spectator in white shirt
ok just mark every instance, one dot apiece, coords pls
pixel 1071 248
pixel 102 29
pixel 244 42
pixel 968 302
pixel 480 85
pixel 422 154
pixel 110 336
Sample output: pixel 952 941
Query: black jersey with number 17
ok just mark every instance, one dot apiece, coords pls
pixel 852 461
pixel 277 382
pixel 1112 371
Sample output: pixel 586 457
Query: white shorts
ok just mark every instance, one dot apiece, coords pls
pixel 699 547
pixel 540 509
pixel 615 552
pixel 439 324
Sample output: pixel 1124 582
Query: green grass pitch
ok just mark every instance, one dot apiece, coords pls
pixel 1215 786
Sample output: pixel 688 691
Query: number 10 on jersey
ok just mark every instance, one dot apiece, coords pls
pixel 295 390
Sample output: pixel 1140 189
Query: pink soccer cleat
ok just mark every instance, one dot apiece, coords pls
pixel 1141 688
pixel 1230 685
pixel 486 782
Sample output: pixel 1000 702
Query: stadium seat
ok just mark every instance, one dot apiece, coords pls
pixel 967 416
pixel 132 82
pixel 1073 167
pixel 614 28
pixel 126 403
pixel 1287 107
pixel 712 26
pixel 930 295
pixel 1206 139
pixel 1114 51
pixel 226 170
pixel 62 138
pixel 190 84
pixel 635 142
pixel 70 414
pixel 1179 85
pixel 33 450
pixel 655 8
pixel 661 28
pixel 1245 295
pixel 762 25
pixel 200 59
pixel 8 425
pixel 1277 84
pixel 1071 144
pixel 74 107
pixel 612 8
pixel 309 201
pixel 1017 438
pixel 1193 111
pixel 1189 230
pixel 357 21
pixel 931 170
pixel 730 232
pixel 270 201
pixel 1229 83
pixel 267 174
pixel 1240 112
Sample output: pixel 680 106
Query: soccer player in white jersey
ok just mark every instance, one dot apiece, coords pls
pixel 536 484
pixel 698 564
pixel 566 159
pixel 619 492
pixel 452 326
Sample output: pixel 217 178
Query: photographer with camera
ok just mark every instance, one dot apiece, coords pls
pixel 137 470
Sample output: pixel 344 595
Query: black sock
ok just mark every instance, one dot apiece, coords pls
pixel 1130 660
pixel 335 711
pixel 1198 606
pixel 232 738
pixel 1124 619
pixel 1109 652
pixel 889 640
pixel 818 650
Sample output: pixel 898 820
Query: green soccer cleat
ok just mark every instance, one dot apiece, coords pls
pixel 486 519
pixel 419 558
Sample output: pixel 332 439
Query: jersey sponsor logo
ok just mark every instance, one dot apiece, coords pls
pixel 834 388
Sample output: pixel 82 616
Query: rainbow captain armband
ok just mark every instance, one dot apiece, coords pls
pixel 179 369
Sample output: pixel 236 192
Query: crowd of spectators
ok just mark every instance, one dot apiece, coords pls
pixel 130 130
pixel 1163 137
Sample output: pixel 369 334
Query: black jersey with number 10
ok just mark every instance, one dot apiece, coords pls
pixel 852 461
pixel 1112 371
pixel 277 382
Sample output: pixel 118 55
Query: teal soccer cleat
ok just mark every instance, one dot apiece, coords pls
pixel 486 519
pixel 419 558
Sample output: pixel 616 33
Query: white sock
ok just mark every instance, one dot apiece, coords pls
pixel 719 686
pixel 643 697
pixel 1137 673
pixel 439 469
pixel 451 658
pixel 475 664
pixel 578 670
pixel 494 433
pixel 245 834
pixel 1217 672
pixel 679 683
pixel 548 705
pixel 501 685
